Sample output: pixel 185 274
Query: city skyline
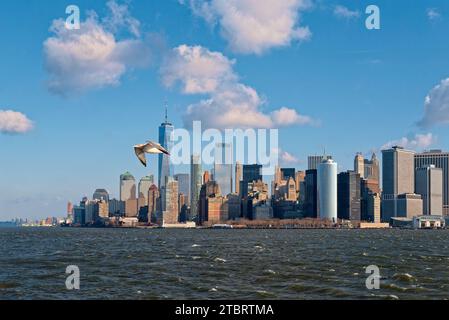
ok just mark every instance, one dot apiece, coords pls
pixel 375 95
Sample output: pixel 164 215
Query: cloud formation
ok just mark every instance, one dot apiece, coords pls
pixel 416 142
pixel 13 122
pixel 197 69
pixel 433 14
pixel 92 57
pixel 254 26
pixel 230 104
pixel 343 12
pixel 436 106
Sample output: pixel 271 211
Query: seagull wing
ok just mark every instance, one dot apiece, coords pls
pixel 153 147
pixel 140 153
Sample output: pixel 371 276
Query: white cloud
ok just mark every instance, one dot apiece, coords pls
pixel 285 158
pixel 286 117
pixel 120 17
pixel 433 14
pixel 254 26
pixel 288 158
pixel 230 104
pixel 233 106
pixel 92 57
pixel 416 142
pixel 14 122
pixel 436 106
pixel 197 69
pixel 343 12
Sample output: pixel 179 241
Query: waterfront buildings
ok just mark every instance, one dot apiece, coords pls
pixel 327 190
pixel 370 192
pixel 310 206
pixel 349 196
pixel 287 173
pixel 372 169
pixel 409 205
pixel 251 173
pixel 184 186
pixel 398 179
pixel 238 177
pixel 314 161
pixel 127 187
pixel 169 197
pixel 359 165
pixel 153 203
pixel 373 207
pixel 144 186
pixel 439 159
pixel 223 167
pixel 101 194
pixel 165 168
pixel 210 190
pixel 429 184
pixel 300 177
pixel 195 186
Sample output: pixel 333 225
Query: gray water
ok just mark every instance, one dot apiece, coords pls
pixel 223 264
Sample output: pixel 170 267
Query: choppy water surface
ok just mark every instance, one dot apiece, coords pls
pixel 223 264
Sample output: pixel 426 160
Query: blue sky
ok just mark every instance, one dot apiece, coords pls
pixel 366 88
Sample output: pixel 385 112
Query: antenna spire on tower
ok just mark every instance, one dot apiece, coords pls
pixel 166 111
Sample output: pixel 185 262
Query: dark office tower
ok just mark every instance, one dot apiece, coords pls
pixel 195 185
pixel 349 196
pixel 398 178
pixel 287 173
pixel 251 172
pixel 311 194
pixel 238 177
pixel 369 191
pixel 165 168
pixel 440 160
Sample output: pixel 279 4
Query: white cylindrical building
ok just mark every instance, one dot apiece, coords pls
pixel 327 190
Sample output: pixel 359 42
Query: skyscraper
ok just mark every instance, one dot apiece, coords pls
pixel 398 179
pixel 440 160
pixel 287 173
pixel 165 168
pixel 327 190
pixel 184 186
pixel 169 195
pixel 144 186
pixel 314 161
pixel 127 187
pixel 251 172
pixel 349 197
pixel 195 186
pixel 311 194
pixel 238 176
pixel 101 194
pixel 153 203
pixel 299 180
pixel 429 184
pixel 223 167
pixel 372 169
pixel 359 165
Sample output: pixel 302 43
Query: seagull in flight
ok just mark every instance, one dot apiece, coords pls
pixel 149 147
